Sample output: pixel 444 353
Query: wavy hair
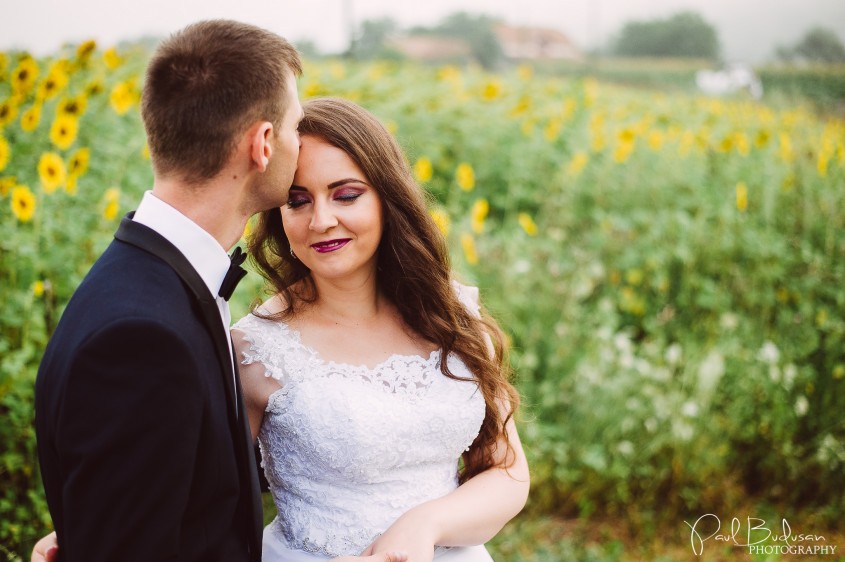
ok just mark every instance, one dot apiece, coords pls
pixel 413 269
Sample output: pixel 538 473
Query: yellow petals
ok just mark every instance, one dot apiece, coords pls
pixel 6 185
pixel 63 131
pixel 479 212
pixel 78 163
pixel 111 203
pixel 123 96
pixel 31 118
pixel 423 170
pixel 5 153
pixel 742 196
pixel 525 72
pixel 527 224
pixel 55 81
pixel 577 164
pixel 468 245
pixel 23 203
pixel 38 288
pixel 24 76
pixel 492 90
pixel 51 170
pixel 72 107
pixel 85 50
pixel 785 152
pixel 8 112
pixel 112 59
pixel 441 219
pixel 465 176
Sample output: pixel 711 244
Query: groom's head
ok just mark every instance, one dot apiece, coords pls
pixel 204 86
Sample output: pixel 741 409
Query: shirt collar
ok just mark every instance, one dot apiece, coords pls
pixel 204 253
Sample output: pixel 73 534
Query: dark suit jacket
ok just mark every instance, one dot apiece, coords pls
pixel 142 453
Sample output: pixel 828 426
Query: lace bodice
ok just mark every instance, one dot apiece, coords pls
pixel 348 449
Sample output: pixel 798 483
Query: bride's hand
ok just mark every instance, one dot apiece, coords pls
pixel 397 556
pixel 46 549
pixel 409 533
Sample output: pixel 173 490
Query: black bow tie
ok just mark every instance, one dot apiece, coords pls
pixel 234 275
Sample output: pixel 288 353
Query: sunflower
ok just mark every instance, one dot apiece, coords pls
pixel 479 212
pixel 94 88
pixel 423 170
pixel 55 81
pixel 5 153
pixel 51 170
pixel 468 245
pixel 85 50
pixel 63 131
pixel 78 163
pixel 24 76
pixel 31 118
pixel 441 219
pixel 73 107
pixel 465 176
pixel 23 203
pixel 527 224
pixel 8 112
pixel 6 185
pixel 123 96
pixel 112 58
pixel 111 200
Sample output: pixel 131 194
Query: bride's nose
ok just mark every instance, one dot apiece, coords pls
pixel 323 218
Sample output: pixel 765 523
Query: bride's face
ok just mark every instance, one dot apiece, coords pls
pixel 333 217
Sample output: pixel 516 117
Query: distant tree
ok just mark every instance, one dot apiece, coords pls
pixel 307 48
pixel 477 30
pixel 370 41
pixel 821 45
pixel 684 35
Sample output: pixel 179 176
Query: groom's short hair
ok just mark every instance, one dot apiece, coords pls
pixel 204 86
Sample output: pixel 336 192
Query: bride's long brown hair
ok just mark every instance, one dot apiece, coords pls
pixel 413 268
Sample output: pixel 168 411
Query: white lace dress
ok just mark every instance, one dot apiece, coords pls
pixel 348 449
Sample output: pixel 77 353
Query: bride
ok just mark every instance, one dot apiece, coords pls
pixel 378 392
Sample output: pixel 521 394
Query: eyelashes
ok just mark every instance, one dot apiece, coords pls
pixel 343 197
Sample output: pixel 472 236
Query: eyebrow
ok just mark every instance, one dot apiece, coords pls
pixel 332 185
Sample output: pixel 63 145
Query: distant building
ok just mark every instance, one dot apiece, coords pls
pixel 535 43
pixel 431 48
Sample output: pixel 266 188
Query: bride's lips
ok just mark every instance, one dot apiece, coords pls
pixel 330 245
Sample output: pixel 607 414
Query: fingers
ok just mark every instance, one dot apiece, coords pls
pixel 397 556
pixel 46 549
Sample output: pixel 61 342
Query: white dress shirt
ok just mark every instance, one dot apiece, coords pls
pixel 201 249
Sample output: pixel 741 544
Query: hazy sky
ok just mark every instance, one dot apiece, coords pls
pixel 748 29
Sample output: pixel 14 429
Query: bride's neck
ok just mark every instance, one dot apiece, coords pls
pixel 348 303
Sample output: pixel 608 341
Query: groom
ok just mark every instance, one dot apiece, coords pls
pixel 143 438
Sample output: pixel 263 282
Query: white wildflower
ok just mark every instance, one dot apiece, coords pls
pixel 710 371
pixel 673 354
pixel 802 406
pixel 769 353
pixel 625 447
pixel 689 409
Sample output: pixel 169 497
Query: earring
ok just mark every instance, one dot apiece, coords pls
pixel 292 254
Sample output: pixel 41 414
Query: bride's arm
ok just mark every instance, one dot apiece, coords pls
pixel 256 386
pixel 470 515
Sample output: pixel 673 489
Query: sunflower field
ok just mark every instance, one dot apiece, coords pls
pixel 670 270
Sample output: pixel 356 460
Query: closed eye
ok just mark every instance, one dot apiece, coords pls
pixel 347 197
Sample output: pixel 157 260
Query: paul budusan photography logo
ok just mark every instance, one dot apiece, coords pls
pixel 757 536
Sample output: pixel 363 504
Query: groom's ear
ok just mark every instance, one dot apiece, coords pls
pixel 261 149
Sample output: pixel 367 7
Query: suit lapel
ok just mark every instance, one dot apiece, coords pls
pixel 145 238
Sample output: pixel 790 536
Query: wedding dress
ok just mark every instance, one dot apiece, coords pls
pixel 348 449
